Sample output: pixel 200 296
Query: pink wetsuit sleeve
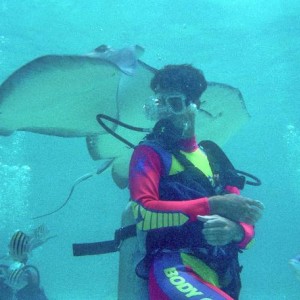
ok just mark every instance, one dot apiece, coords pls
pixel 144 176
pixel 248 235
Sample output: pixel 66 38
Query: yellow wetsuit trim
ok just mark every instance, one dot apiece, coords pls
pixel 200 268
pixel 147 219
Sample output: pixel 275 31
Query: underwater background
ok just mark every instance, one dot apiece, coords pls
pixel 251 45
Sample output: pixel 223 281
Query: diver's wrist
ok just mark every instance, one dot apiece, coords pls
pixel 239 233
pixel 215 205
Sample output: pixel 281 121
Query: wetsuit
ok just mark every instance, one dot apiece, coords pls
pixel 179 262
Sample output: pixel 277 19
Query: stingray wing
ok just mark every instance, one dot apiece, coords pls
pixel 133 90
pixel 62 94
pixel 222 112
pixel 59 95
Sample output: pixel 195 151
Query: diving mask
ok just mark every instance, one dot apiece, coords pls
pixel 163 105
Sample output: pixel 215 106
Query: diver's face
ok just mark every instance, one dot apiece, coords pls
pixel 172 105
pixel 165 104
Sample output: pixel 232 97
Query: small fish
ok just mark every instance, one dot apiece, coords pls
pixel 16 277
pixel 21 244
pixel 295 264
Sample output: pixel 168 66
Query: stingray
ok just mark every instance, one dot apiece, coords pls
pixel 61 95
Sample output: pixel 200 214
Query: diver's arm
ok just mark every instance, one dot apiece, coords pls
pixel 144 177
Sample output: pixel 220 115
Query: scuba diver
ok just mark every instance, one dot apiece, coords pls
pixel 191 220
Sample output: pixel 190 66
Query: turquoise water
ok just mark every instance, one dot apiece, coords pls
pixel 252 45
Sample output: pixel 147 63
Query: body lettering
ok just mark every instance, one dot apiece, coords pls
pixel 181 285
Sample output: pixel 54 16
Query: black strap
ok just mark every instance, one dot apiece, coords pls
pixel 216 154
pixel 121 234
pixel 220 163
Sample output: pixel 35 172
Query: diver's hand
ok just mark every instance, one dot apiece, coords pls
pixel 236 208
pixel 219 231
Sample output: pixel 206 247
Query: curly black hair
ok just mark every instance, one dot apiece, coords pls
pixel 181 78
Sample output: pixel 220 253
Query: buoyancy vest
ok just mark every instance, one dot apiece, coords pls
pixel 189 176
pixel 185 176
pixel 201 173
